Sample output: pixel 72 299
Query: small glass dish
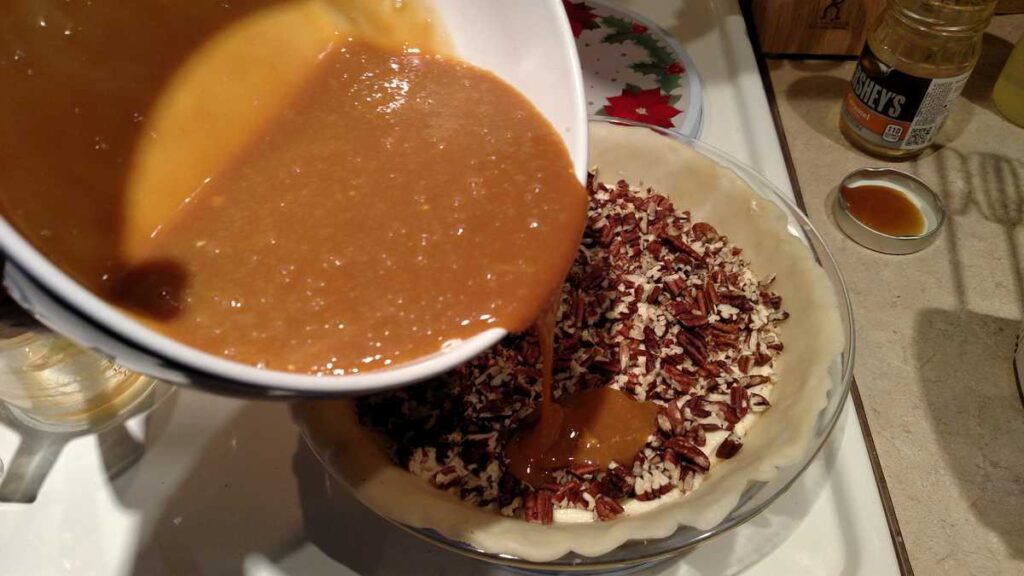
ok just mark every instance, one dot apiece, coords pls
pixel 758 495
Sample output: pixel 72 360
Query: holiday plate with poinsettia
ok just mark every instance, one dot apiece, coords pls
pixel 634 70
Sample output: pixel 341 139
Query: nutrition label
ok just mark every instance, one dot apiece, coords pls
pixel 933 111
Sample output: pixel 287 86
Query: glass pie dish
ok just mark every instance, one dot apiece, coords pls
pixel 752 486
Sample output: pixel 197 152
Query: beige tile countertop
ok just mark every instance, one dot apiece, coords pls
pixel 935 330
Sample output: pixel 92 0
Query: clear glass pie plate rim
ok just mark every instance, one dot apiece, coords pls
pixel 757 496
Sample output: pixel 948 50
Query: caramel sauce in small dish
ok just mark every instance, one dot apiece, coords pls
pixel 888 210
pixel 884 209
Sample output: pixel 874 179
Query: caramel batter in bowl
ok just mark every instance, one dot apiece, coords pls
pixel 389 201
pixel 389 210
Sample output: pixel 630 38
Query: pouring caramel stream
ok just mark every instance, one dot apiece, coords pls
pixel 592 427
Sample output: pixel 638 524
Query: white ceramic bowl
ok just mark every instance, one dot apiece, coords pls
pixel 528 43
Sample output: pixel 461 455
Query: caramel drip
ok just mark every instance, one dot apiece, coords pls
pixel 589 428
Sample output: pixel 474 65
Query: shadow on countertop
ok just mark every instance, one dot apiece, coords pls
pixel 966 376
pixel 995 51
pixel 965 358
pixel 818 96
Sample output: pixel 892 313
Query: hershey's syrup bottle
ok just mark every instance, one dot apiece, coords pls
pixel 915 62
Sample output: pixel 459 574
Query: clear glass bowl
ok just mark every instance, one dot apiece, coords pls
pixel 757 496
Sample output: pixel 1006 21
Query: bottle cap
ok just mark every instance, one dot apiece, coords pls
pixel 916 191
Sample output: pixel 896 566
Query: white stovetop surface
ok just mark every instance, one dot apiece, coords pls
pixel 227 487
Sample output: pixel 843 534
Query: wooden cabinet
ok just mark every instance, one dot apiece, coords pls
pixel 819 27
pixel 824 27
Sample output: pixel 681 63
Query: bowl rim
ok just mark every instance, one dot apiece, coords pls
pixel 216 372
pixel 826 421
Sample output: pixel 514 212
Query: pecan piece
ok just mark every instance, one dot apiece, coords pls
pixel 446 477
pixel 584 470
pixel 725 328
pixel 570 492
pixel 688 453
pixel 695 405
pixel 736 300
pixel 538 507
pixel 651 341
pixel 704 231
pixel 678 378
pixel 693 348
pixel 682 247
pixel 729 447
pixel 675 419
pixel 738 397
pixel 607 508
pixel 771 299
pixel 675 284
pixel 710 293
pixel 745 363
pixel 619 482
pixel 758 403
pixel 728 413
pixel 697 436
pixel 702 303
pixel 753 381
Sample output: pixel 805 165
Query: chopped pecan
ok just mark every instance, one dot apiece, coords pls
pixel 682 247
pixel 567 493
pixel 619 482
pixel 758 403
pixel 446 477
pixel 697 409
pixel 651 341
pixel 745 363
pixel 710 293
pixel 694 348
pixel 689 453
pixel 753 381
pixel 729 447
pixel 606 508
pixel 738 398
pixel 677 424
pixel 697 436
pixel 704 231
pixel 725 328
pixel 538 507
pixel 584 470
pixel 679 379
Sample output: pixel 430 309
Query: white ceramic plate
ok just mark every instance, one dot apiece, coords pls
pixel 632 69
